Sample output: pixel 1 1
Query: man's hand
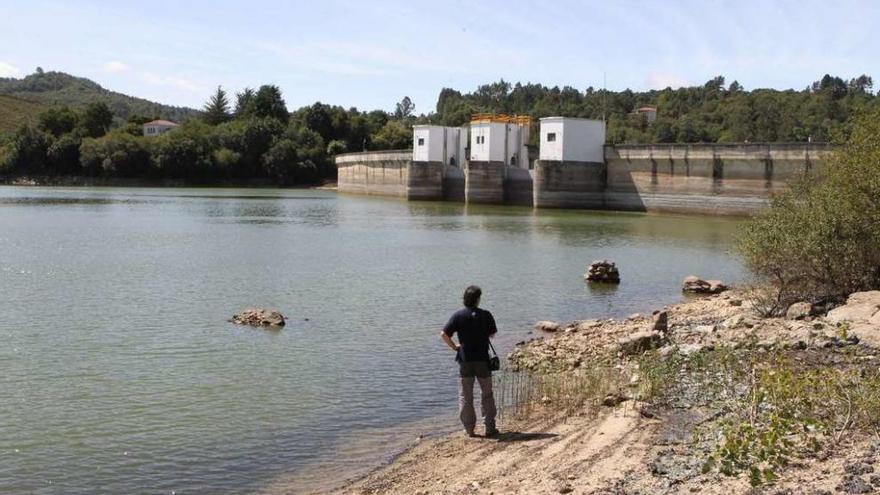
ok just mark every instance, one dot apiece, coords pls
pixel 452 345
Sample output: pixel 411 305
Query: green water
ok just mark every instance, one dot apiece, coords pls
pixel 120 374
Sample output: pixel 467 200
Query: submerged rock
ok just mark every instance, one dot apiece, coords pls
pixel 258 317
pixel 603 271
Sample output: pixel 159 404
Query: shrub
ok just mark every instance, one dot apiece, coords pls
pixel 822 237
pixel 115 155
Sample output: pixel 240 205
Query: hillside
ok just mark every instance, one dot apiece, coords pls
pixel 17 111
pixel 58 88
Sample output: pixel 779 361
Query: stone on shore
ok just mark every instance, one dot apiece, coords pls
pixel 696 285
pixel 860 306
pixel 661 320
pixel 547 326
pixel 799 311
pixel 259 317
pixel 640 342
pixel 603 271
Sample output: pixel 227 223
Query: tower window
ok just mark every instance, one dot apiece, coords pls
pixel 551 137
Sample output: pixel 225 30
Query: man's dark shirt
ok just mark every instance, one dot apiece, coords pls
pixel 474 326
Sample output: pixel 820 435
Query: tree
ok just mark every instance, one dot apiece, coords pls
pixel 269 103
pixel 63 155
pixel 404 109
pixel 115 155
pixel 217 108
pixel 57 121
pixel 821 239
pixel 29 151
pixel 244 102
pixel 318 119
pixel 96 119
pixel 393 136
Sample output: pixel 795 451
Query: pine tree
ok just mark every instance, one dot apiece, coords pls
pixel 217 108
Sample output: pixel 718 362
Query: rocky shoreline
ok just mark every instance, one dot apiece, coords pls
pixel 656 396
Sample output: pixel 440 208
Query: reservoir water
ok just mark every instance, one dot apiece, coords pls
pixel 119 372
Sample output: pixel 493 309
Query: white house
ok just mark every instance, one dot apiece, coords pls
pixel 649 112
pixel 572 139
pixel 157 127
pixel 436 143
pixel 495 140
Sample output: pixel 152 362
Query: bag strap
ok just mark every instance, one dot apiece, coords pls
pixel 492 347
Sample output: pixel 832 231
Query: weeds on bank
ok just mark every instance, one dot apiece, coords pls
pixel 774 407
pixel 519 393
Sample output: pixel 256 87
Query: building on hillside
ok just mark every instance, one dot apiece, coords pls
pixel 439 144
pixel 569 139
pixel 648 112
pixel 157 127
pixel 500 139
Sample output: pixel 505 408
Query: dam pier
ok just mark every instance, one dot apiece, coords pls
pixel 491 162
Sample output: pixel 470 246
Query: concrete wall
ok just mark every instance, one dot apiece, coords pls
pixel 703 178
pixel 518 186
pixel 565 184
pixel 484 182
pixel 383 173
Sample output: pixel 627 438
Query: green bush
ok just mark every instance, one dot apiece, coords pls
pixel 115 155
pixel 821 238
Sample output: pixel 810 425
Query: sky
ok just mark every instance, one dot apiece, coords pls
pixel 370 54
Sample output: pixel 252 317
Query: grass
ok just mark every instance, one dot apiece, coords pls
pixel 775 406
pixel 521 393
pixel 16 111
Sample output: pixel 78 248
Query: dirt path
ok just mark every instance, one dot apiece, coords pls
pixel 551 456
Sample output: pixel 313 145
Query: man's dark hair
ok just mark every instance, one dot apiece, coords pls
pixel 472 296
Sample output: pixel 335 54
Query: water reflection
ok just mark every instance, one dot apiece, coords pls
pixel 132 351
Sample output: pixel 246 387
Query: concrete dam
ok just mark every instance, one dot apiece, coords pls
pixel 726 179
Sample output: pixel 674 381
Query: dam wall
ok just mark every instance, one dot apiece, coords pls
pixel 728 179
pixel 733 179
pixel 380 173
pixel 484 182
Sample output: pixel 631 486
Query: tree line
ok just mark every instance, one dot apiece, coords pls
pixel 713 112
pixel 256 137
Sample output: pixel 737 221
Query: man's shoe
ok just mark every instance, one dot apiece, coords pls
pixel 492 432
pixel 470 434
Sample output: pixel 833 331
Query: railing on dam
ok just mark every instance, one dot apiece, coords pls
pixel 755 149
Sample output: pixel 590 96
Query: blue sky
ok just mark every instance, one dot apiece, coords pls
pixel 371 54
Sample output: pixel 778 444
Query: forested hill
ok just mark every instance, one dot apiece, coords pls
pixel 713 112
pixel 53 89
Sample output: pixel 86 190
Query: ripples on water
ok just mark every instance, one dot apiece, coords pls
pixel 120 374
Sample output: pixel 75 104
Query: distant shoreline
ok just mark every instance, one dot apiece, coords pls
pixel 82 181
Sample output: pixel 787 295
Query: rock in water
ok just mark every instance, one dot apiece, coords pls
pixel 603 271
pixel 547 326
pixel 259 317
pixel 696 285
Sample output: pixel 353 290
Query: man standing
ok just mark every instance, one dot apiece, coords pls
pixel 474 327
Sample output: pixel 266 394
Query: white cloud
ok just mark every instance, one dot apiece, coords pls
pixel 7 70
pixel 116 66
pixel 172 81
pixel 657 80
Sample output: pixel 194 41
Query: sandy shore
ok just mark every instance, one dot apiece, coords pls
pixel 619 442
